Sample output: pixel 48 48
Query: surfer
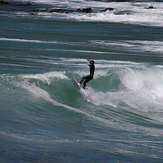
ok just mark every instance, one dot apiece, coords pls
pixel 89 77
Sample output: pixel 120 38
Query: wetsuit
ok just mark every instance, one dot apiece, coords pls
pixel 89 77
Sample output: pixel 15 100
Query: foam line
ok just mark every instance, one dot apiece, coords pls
pixel 24 40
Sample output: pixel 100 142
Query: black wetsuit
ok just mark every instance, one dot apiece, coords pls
pixel 89 77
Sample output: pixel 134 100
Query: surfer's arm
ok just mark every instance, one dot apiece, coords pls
pixel 89 62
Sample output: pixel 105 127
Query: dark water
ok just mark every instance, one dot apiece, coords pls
pixel 118 118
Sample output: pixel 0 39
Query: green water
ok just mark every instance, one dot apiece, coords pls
pixel 44 118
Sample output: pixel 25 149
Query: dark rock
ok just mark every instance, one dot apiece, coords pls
pixel 3 3
pixel 33 13
pixel 57 10
pixel 106 9
pixel 150 7
pixel 85 10
pixel 28 4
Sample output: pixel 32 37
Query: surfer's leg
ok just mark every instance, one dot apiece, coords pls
pixel 86 81
pixel 83 78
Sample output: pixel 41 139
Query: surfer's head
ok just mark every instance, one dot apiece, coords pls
pixel 92 62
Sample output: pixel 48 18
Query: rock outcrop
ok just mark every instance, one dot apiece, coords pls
pixel 3 3
pixel 34 9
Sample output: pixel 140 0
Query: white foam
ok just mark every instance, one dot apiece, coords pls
pixel 144 89
pixel 98 98
pixel 142 101
pixel 140 88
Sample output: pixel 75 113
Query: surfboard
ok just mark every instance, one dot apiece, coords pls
pixel 75 83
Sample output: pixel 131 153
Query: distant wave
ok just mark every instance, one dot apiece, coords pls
pixel 24 40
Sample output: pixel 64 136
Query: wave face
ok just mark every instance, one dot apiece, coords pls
pixel 117 118
pixel 45 110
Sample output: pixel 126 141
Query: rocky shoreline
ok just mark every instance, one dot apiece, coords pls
pixel 32 8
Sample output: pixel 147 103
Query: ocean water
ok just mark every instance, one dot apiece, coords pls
pixel 117 119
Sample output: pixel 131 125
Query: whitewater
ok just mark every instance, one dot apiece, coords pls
pixel 117 118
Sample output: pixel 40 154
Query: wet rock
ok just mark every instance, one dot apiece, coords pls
pixel 27 4
pixel 85 10
pixel 108 9
pixel 150 7
pixel 3 3
pixel 57 10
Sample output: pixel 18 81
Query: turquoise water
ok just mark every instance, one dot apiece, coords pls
pixel 118 118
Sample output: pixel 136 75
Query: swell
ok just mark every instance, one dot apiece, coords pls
pixel 110 77
pixel 127 84
pixel 132 96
